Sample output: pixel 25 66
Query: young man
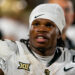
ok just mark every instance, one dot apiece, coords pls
pixel 39 55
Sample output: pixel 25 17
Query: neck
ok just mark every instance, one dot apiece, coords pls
pixel 43 51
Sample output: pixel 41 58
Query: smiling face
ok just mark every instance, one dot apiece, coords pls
pixel 43 34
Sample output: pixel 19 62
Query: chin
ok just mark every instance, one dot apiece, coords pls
pixel 40 49
pixel 41 45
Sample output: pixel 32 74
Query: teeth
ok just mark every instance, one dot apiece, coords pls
pixel 40 37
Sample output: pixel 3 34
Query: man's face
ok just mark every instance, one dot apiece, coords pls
pixel 43 34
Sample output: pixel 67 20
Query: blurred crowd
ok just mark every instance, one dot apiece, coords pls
pixel 12 23
pixel 14 16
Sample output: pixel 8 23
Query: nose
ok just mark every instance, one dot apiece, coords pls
pixel 42 28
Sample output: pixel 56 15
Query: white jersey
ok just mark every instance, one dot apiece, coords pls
pixel 17 59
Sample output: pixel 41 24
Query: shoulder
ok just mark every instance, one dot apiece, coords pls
pixel 66 55
pixel 64 49
pixel 8 44
pixel 72 55
pixel 7 47
pixel 22 45
pixel 72 51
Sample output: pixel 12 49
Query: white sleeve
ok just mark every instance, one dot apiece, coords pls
pixel 7 48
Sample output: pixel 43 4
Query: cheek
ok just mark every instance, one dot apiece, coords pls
pixel 32 34
pixel 52 33
pixel 53 36
pixel 33 29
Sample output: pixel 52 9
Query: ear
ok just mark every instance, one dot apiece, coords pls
pixel 63 33
pixel 59 35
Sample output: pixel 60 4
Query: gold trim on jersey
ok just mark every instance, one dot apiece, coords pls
pixel 47 72
pixel 24 66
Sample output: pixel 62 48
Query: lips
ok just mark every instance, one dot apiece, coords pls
pixel 41 38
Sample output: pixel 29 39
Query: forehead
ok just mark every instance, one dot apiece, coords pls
pixel 42 20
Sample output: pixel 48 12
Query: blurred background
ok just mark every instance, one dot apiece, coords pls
pixel 14 16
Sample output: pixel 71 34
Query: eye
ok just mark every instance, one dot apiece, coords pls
pixel 36 23
pixel 49 24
